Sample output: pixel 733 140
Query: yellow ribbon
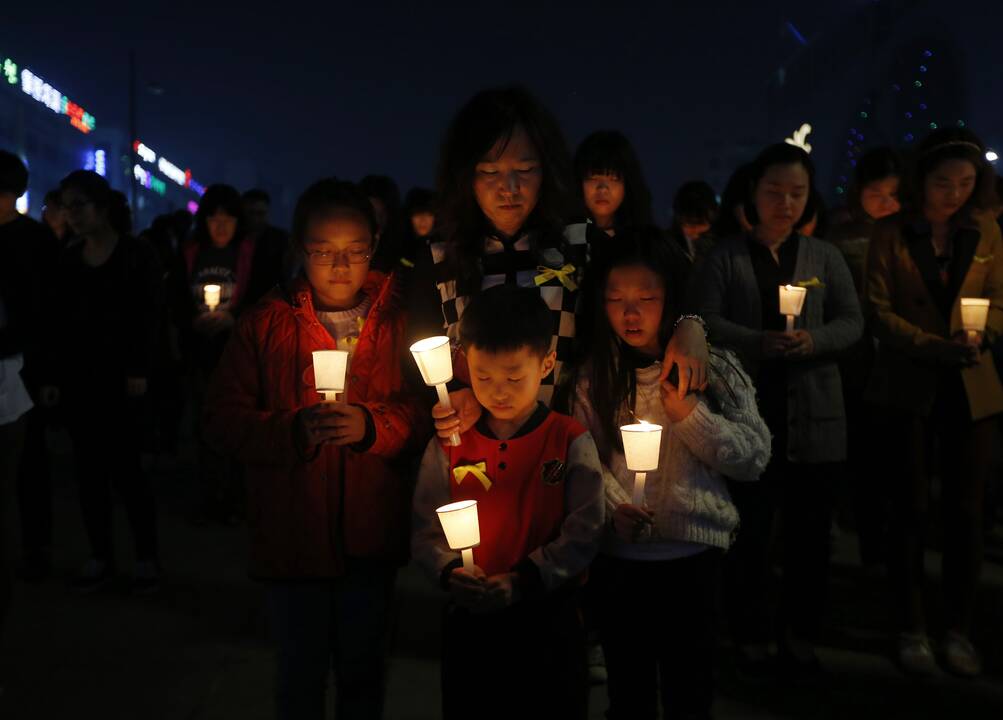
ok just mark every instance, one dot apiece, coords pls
pixel 353 341
pixel 563 274
pixel 814 282
pixel 461 471
pixel 407 263
pixel 983 259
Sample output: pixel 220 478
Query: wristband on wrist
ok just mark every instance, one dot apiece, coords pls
pixel 694 318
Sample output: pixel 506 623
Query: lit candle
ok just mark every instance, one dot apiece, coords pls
pixel 329 369
pixel 211 295
pixel 435 360
pixel 463 532
pixel 641 445
pixel 791 302
pixel 974 313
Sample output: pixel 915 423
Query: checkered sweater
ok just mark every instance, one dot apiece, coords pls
pixel 517 262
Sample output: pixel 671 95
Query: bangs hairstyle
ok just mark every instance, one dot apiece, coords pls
pixel 610 363
pixel 505 318
pixel 608 152
pixel 490 117
pixel 218 197
pixel 952 143
pixel 780 154
pixel 876 164
pixel 329 196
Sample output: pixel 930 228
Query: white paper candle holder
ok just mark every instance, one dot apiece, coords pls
pixel 329 370
pixel 791 303
pixel 434 358
pixel 642 443
pixel 211 296
pixel 462 530
pixel 974 314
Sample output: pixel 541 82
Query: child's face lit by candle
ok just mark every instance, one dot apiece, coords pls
pixel 222 227
pixel 506 383
pixel 635 299
pixel 338 247
pixel 604 194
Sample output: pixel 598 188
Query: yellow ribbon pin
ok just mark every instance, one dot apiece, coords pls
pixel 814 282
pixel 477 470
pixel 353 341
pixel 406 263
pixel 563 274
pixel 982 259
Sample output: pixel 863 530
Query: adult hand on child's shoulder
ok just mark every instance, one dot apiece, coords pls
pixel 630 521
pixel 688 349
pixel 468 587
pixel 675 407
pixel 459 418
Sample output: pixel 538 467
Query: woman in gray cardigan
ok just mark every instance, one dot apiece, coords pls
pixel 800 397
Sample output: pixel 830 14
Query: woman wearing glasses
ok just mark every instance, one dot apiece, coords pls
pixel 329 503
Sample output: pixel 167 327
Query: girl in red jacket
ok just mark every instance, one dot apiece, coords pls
pixel 328 503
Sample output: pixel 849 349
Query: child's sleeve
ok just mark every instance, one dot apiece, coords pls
pixel 734 442
pixel 550 566
pixel 584 413
pixel 428 543
pixel 234 423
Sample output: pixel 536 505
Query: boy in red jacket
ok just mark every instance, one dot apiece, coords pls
pixel 328 503
pixel 512 629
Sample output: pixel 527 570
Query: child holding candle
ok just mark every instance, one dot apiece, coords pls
pixel 329 501
pixel 800 397
pixel 656 576
pixel 512 630
pixel 936 385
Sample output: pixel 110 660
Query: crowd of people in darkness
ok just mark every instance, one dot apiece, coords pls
pixel 569 314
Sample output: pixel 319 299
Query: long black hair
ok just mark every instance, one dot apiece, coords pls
pixel 610 363
pixel 218 197
pixel 107 200
pixel 732 200
pixel 490 117
pixel 609 152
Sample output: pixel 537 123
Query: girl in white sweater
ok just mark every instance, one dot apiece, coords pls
pixel 656 577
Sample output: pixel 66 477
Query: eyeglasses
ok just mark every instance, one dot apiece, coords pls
pixel 76 204
pixel 352 257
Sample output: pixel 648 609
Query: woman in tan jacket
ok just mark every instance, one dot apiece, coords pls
pixel 938 385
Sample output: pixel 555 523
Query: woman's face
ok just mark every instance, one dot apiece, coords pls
pixel 947 188
pixel 507 182
pixel 82 214
pixel 604 194
pixel 222 227
pixel 781 196
pixel 422 223
pixel 880 198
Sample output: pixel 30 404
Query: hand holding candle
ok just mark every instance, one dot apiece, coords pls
pixel 791 303
pixel 642 443
pixel 462 530
pixel 974 314
pixel 434 359
pixel 329 370
pixel 211 295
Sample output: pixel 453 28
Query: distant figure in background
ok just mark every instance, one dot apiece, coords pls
pixel 20 320
pixel 611 182
pixel 271 243
pixel 873 195
pixel 54 216
pixel 938 385
pixel 385 197
pixel 694 210
pixel 419 216
pixel 731 220
pixel 108 300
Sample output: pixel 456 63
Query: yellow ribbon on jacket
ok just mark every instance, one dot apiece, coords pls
pixel 563 274
pixel 353 341
pixel 406 263
pixel 814 282
pixel 461 471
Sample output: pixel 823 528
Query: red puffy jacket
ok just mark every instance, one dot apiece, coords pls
pixel 307 514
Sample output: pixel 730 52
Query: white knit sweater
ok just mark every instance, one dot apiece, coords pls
pixel 687 494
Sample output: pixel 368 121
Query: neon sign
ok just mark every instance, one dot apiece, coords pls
pixel 36 88
pixel 170 170
pixel 149 180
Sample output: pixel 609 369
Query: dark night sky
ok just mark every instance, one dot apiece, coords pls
pixel 292 92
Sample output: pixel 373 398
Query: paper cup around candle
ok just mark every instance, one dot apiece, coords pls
pixel 462 530
pixel 329 369
pixel 641 445
pixel 435 359
pixel 211 295
pixel 974 313
pixel 792 299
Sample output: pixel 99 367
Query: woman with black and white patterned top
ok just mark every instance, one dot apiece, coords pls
pixel 506 190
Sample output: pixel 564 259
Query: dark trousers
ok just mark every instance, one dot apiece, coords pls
pixel 965 449
pixel 340 624
pixel 34 489
pixel 11 443
pixel 527 661
pixel 106 437
pixel 658 626
pixel 802 494
pixel 220 481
